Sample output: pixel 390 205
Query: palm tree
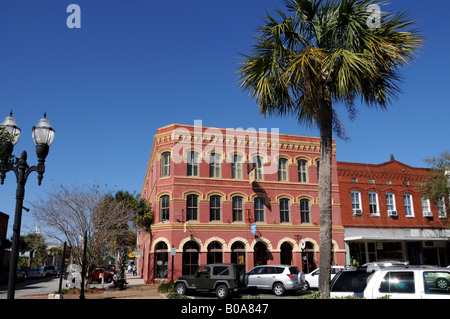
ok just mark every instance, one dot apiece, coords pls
pixel 324 53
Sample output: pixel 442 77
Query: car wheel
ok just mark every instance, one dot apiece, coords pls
pixel 278 289
pixel 181 289
pixel 222 291
pixel 306 286
pixel 442 283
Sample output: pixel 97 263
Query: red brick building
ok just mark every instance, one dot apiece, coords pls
pixel 205 200
pixel 4 255
pixel 385 216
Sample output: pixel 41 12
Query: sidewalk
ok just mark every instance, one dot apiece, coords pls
pixel 136 289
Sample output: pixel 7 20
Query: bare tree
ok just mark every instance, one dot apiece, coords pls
pixel 67 213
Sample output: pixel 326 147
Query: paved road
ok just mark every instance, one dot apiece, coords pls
pixel 32 287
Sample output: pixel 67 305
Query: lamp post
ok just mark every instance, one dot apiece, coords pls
pixel 43 135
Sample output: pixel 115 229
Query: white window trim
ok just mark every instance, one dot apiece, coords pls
pixel 354 210
pixel 377 203
pixel 283 170
pixel 412 205
pixel 393 204
pixel 425 204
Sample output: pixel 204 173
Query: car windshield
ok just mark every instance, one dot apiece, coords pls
pixel 354 281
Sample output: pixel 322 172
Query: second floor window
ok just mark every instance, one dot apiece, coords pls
pixel 426 210
pixel 164 208
pixel 214 207
pixel 192 207
pixel 238 209
pixel 373 203
pixel 407 201
pixel 259 209
pixel 305 215
pixel 165 164
pixel 390 203
pixel 356 202
pixel 284 210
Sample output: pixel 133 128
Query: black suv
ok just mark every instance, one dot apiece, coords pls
pixel 221 278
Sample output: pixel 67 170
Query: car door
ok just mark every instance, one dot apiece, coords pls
pixel 267 277
pixel 254 277
pixel 203 280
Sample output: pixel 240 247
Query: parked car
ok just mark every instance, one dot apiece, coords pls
pixel 278 278
pixel 223 279
pixel 51 271
pixel 106 271
pixel 36 273
pixel 312 279
pixel 397 282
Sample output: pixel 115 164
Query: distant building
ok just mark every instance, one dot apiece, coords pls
pixel 386 216
pixel 4 255
pixel 209 208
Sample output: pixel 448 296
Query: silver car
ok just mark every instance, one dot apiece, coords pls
pixel 278 278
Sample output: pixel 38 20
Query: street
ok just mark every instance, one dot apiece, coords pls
pixel 32 287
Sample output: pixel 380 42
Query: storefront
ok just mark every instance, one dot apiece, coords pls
pixel 417 246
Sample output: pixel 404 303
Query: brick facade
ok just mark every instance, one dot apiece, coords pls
pixel 385 216
pixel 205 211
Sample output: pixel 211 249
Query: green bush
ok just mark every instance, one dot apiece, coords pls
pixel 167 287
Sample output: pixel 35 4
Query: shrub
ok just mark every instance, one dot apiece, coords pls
pixel 167 287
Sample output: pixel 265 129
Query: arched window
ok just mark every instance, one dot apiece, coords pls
pixel 305 213
pixel 165 164
pixel 192 163
pixel 284 210
pixel 302 171
pixel 238 253
pixel 214 254
pixel 282 170
pixel 215 164
pixel 236 167
pixel 164 208
pixel 259 209
pixel 215 207
pixel 356 202
pixel 238 209
pixel 190 258
pixel 407 201
pixel 161 260
pixel 192 207
pixel 258 165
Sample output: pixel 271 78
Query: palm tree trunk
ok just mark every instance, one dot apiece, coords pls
pixel 326 148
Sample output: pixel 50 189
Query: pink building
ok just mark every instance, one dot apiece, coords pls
pixel 209 208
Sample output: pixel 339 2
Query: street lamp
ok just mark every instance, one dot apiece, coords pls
pixel 43 135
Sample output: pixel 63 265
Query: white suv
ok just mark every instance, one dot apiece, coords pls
pixel 410 282
pixel 277 278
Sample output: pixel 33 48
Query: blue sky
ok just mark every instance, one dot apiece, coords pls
pixel 136 65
